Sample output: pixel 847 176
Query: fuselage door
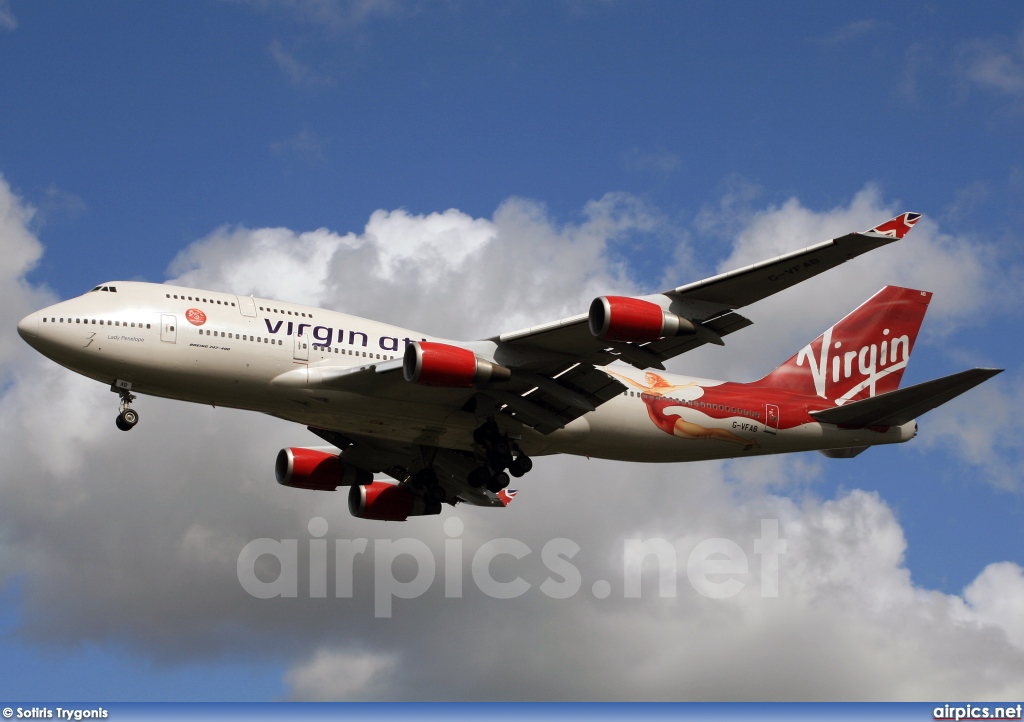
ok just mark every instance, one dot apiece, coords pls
pixel 771 418
pixel 301 348
pixel 168 329
pixel 246 306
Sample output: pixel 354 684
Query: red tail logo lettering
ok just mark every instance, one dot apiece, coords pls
pixel 863 355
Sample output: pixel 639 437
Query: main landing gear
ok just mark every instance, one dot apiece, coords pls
pixel 501 453
pixel 128 417
pixel 425 480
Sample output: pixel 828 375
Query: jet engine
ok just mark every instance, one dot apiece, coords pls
pixel 620 318
pixel 440 364
pixel 303 468
pixel 388 502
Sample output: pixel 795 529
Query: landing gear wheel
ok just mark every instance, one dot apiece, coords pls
pixel 478 477
pixel 498 482
pixel 499 459
pixel 127 419
pixel 522 465
pixel 436 493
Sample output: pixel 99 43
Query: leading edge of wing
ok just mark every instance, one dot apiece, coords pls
pixel 743 286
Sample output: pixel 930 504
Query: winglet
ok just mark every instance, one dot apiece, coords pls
pixel 898 226
pixel 505 496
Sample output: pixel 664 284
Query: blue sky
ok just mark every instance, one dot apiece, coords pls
pixel 157 141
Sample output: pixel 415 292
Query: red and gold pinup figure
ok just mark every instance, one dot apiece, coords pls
pixel 657 398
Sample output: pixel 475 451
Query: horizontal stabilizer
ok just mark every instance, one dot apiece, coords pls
pixel 898 407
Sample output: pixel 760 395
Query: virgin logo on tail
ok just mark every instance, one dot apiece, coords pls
pixel 871 362
pixel 863 355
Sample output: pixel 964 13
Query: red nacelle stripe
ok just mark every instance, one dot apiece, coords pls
pixel 309 469
pixel 630 319
pixel 444 365
pixel 380 501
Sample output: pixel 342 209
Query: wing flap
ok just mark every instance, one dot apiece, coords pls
pixel 902 405
pixel 551 403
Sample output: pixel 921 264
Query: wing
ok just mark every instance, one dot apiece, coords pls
pixel 567 352
pixel 708 304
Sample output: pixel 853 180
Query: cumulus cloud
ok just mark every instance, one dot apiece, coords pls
pixel 7 19
pixel 498 274
pixel 144 532
pixel 335 675
pixel 660 160
pixel 984 430
pixel 335 15
pixel 854 30
pixel 298 72
pixel 20 252
pixel 993 64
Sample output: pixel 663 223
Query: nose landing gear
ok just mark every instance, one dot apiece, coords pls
pixel 128 416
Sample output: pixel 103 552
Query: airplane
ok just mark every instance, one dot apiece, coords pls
pixel 450 421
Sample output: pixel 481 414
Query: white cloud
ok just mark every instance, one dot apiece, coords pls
pixel 304 145
pixel 494 275
pixel 19 253
pixel 143 531
pixel 853 30
pixel 983 429
pixel 333 676
pixel 993 64
pixel 298 72
pixel 660 160
pixel 996 598
pixel 335 15
pixel 7 19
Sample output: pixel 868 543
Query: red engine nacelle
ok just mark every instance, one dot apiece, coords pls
pixel 620 318
pixel 317 470
pixel 439 364
pixel 388 502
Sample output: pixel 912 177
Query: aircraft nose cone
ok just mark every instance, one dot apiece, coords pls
pixel 28 327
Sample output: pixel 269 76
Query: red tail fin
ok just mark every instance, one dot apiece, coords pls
pixel 861 356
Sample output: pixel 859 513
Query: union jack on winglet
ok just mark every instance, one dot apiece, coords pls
pixel 506 496
pixel 898 226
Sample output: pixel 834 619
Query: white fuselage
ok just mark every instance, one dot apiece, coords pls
pixel 231 352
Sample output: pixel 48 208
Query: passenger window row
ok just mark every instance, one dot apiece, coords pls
pixel 285 312
pixel 240 337
pixel 197 299
pixel 102 322
pixel 349 352
pixel 699 404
